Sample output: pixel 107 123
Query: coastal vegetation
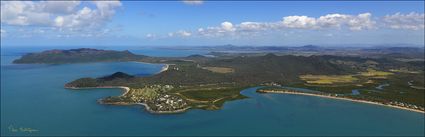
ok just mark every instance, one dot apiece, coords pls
pixel 361 99
pixel 200 82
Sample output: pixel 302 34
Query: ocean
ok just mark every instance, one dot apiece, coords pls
pixel 34 102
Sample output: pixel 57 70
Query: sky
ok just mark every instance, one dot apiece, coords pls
pixel 209 23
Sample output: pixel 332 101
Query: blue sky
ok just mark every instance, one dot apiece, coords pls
pixel 148 23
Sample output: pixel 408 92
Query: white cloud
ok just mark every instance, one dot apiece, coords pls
pixel 227 26
pixel 87 17
pixel 59 20
pixel 359 22
pixel 62 7
pixel 180 33
pixel 299 22
pixel 411 21
pixel 184 33
pixel 193 2
pixel 23 13
pixel 63 16
pixel 330 21
pixel 107 8
pixel 254 26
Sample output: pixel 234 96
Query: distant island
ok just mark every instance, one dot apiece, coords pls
pixel 206 82
pixel 82 55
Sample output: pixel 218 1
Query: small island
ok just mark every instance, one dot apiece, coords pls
pixel 207 82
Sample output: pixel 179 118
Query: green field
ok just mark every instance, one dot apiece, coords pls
pixel 328 79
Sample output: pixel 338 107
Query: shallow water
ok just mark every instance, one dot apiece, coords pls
pixel 32 96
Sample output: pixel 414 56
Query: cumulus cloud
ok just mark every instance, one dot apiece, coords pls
pixel 411 21
pixel 61 15
pixel 330 21
pixel 353 22
pixel 255 26
pixel 23 13
pixel 299 22
pixel 361 21
pixel 193 2
pixel 227 26
pixel 62 7
pixel 180 33
pixel 184 33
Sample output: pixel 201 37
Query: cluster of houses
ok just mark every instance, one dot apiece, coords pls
pixel 157 99
pixel 168 103
pixel 160 87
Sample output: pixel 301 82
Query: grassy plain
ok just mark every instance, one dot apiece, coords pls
pixel 371 73
pixel 328 79
pixel 220 69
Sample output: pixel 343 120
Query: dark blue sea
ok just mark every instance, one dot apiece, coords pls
pixel 33 98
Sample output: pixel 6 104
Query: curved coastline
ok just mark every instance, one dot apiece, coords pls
pixel 162 112
pixel 164 68
pixel 342 98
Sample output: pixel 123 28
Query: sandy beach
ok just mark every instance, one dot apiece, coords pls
pixel 164 68
pixel 342 98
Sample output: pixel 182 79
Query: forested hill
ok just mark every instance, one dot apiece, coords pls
pixel 81 55
pixel 240 70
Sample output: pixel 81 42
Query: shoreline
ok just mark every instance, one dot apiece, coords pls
pixel 161 112
pixel 164 68
pixel 147 108
pixel 126 89
pixel 342 98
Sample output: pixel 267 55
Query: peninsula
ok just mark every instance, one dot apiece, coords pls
pixel 206 82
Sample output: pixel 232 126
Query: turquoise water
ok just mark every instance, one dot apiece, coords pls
pixel 32 96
